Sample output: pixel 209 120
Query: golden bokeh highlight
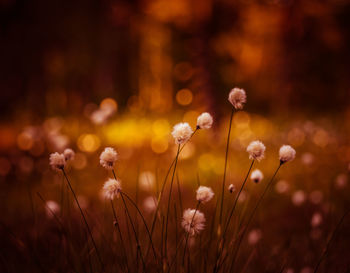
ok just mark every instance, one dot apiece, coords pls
pixel 88 143
pixel 25 141
pixel 184 97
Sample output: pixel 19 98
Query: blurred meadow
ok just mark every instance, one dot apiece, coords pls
pixel 86 75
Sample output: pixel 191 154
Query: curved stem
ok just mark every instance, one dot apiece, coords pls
pixel 330 241
pixel 164 183
pixel 120 236
pixel 231 214
pixel 226 157
pixel 252 215
pixel 144 222
pixel 85 221
pixel 169 197
pixel 135 233
pixel 188 234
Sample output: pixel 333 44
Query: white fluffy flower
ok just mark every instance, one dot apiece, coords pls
pixel 68 154
pixel 256 176
pixel 182 132
pixel 112 188
pixel 193 221
pixel 108 157
pixel 204 194
pixel 237 97
pixel 52 208
pixel 57 161
pixel 287 153
pixel 231 188
pixel 204 121
pixel 256 150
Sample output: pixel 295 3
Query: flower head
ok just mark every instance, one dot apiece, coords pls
pixel 57 161
pixel 108 157
pixel 231 188
pixel 256 150
pixel 237 97
pixel 257 176
pixel 287 153
pixel 204 121
pixel 68 154
pixel 204 194
pixel 112 188
pixel 193 221
pixel 182 132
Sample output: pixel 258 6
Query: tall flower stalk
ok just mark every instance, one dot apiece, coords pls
pixel 58 163
pixel 237 97
pixel 286 153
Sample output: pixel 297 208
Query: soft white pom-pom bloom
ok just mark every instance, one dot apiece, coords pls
pixel 68 154
pixel 111 188
pixel 193 221
pixel 231 188
pixel 204 194
pixel 57 161
pixel 256 150
pixel 182 132
pixel 108 157
pixel 204 121
pixel 237 97
pixel 52 208
pixel 150 204
pixel 287 153
pixel 256 176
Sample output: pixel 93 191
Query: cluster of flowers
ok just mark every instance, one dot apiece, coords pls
pixel 193 220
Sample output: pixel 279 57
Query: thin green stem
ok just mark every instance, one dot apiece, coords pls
pixel 222 241
pixel 330 241
pixel 168 208
pixel 224 177
pixel 163 186
pixel 120 236
pixel 188 234
pixel 252 215
pixel 85 221
pixel 135 233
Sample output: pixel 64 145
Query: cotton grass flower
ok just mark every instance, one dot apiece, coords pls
pixel 204 121
pixel 193 221
pixel 68 154
pixel 231 188
pixel 52 208
pixel 256 150
pixel 256 176
pixel 286 153
pixel 57 161
pixel 112 188
pixel 204 194
pixel 182 132
pixel 108 158
pixel 237 97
